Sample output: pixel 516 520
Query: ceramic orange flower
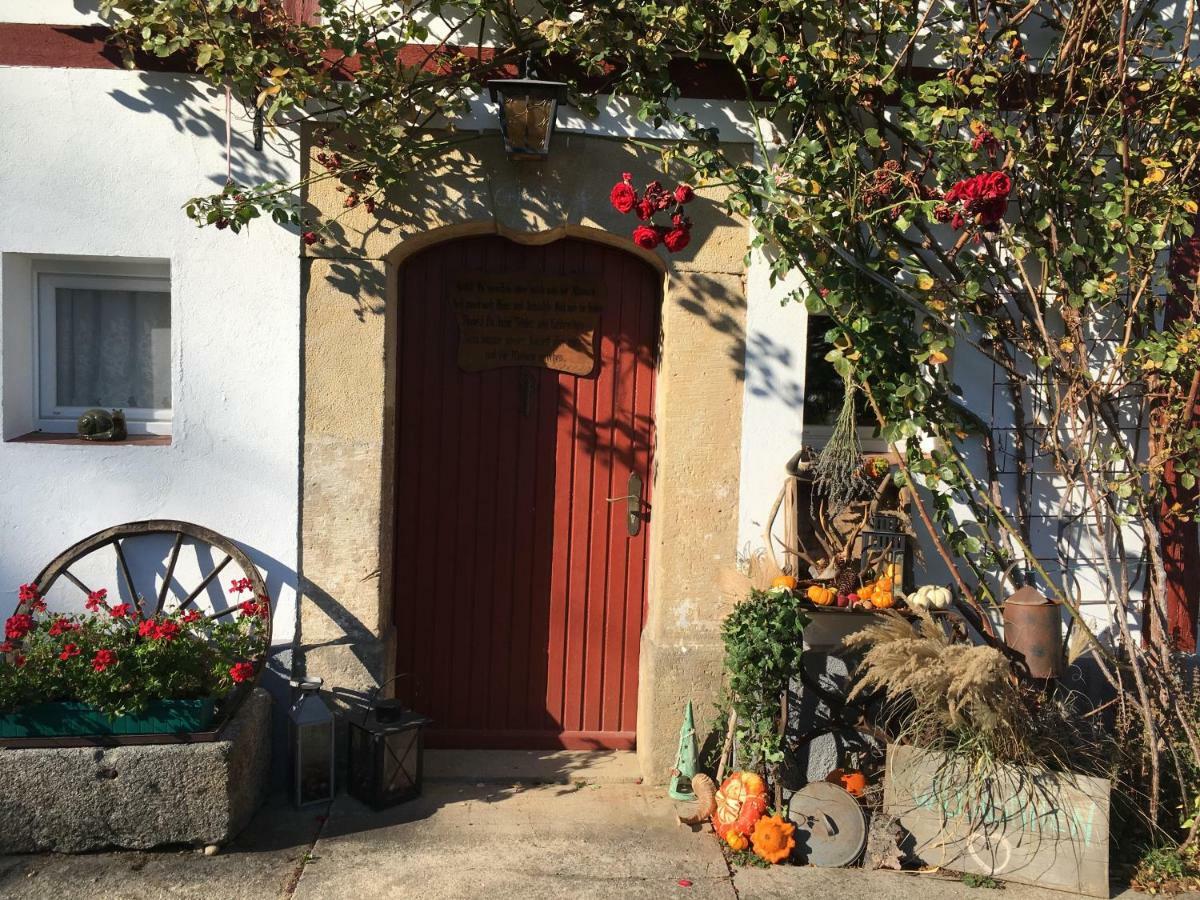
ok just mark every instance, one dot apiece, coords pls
pixel 772 839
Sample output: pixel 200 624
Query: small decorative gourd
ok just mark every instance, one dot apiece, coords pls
pixel 737 841
pixel 101 425
pixel 787 582
pixel 930 596
pixel 772 839
pixel 854 781
pixel 821 596
pixel 741 801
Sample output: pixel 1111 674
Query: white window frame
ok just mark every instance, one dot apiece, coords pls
pixel 62 419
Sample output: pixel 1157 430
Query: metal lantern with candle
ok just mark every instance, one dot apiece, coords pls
pixel 310 736
pixel 387 754
pixel 528 113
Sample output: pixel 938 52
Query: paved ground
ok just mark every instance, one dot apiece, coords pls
pixel 595 833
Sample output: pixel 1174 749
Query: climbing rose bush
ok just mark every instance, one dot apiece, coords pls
pixel 118 659
pixel 654 199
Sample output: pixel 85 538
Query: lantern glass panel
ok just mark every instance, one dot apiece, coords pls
pixel 314 772
pixel 527 124
pixel 311 731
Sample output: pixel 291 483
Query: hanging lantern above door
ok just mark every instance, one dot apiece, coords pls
pixel 528 110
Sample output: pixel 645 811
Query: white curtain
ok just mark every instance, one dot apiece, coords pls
pixel 113 348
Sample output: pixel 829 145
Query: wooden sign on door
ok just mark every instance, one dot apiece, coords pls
pixel 522 319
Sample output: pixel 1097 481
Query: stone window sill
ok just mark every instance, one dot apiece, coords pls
pixel 136 440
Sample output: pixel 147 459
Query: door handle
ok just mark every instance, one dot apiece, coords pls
pixel 633 504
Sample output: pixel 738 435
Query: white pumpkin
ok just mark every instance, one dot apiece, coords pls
pixel 929 596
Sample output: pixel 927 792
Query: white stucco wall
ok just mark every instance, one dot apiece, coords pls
pixel 97 163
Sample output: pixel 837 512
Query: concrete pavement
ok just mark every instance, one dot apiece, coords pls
pixel 591 832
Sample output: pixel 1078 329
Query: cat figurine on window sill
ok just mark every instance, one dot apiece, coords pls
pixel 102 425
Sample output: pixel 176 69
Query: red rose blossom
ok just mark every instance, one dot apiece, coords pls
pixel 120 611
pixel 18 626
pixel 646 237
pixel 644 209
pixel 103 659
pixel 242 671
pixel 310 237
pixel 69 651
pixel 677 238
pixel 622 197
pixel 684 194
pixel 94 599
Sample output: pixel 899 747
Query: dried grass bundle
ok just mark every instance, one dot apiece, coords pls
pixel 953 687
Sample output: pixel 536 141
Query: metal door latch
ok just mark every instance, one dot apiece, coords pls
pixel 633 508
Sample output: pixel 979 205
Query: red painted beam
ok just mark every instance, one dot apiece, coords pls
pixel 1181 537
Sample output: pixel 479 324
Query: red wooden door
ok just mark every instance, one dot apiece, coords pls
pixel 519 592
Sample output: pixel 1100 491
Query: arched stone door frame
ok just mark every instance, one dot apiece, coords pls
pixel 345 628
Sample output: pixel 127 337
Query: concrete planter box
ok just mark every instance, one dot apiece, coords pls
pixel 73 799
pixel 1032 826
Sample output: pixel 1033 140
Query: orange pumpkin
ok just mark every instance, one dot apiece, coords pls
pixel 737 841
pixel 772 839
pixel 854 781
pixel 822 596
pixel 741 801
pixel 787 582
pixel 883 600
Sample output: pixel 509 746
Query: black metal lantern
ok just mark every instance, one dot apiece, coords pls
pixel 883 545
pixel 310 727
pixel 387 750
pixel 528 110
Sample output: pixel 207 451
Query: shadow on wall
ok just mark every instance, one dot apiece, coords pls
pixel 198 109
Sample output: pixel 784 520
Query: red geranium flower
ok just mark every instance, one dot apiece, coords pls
pixel 18 626
pixel 684 194
pixel 147 628
pixel 69 651
pixel 62 626
pixel 120 611
pixel 646 237
pixel 95 598
pixel 623 197
pixel 19 660
pixel 103 659
pixel 28 594
pixel 191 615
pixel 239 585
pixel 242 671
pixel 166 631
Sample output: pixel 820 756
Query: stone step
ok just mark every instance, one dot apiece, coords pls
pixel 533 766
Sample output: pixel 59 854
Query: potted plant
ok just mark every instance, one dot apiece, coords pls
pixel 115 670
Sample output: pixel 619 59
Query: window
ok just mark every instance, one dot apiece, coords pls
pixel 824 393
pixel 103 341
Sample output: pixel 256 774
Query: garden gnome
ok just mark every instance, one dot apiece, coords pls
pixel 680 787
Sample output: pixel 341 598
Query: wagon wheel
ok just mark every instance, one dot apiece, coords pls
pixel 118 536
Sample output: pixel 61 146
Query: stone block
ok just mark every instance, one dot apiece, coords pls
pixel 74 799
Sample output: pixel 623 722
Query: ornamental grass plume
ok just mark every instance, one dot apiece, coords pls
pixel 955 696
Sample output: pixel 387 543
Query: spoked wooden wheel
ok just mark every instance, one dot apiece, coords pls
pixel 155 582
